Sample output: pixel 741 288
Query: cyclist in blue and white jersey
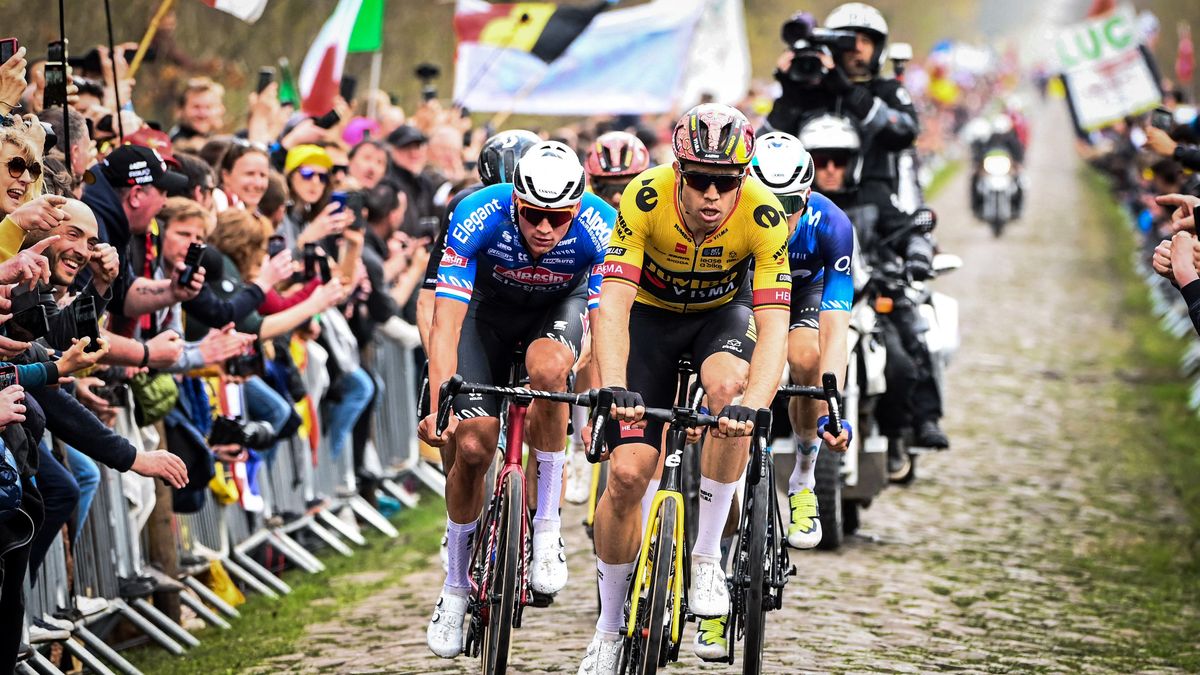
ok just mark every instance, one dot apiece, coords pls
pixel 520 267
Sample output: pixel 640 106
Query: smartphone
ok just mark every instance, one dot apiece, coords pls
pixel 191 261
pixel 150 55
pixel 310 261
pixel 33 321
pixel 8 47
pixel 328 120
pixel 338 197
pixel 347 88
pixel 276 244
pixel 323 269
pixel 55 95
pixel 8 376
pixel 86 322
pixel 266 75
pixel 356 202
pixel 1163 119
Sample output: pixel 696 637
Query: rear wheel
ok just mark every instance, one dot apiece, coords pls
pixel 757 579
pixel 504 586
pixel 647 647
pixel 828 475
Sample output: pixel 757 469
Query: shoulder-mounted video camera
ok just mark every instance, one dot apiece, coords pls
pixel 808 42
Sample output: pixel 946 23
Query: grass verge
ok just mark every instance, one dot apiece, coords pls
pixel 1144 571
pixel 270 628
pixel 941 178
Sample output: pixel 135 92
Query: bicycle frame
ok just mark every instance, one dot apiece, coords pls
pixel 513 422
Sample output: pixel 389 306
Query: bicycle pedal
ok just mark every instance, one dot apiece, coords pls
pixel 792 571
pixel 540 600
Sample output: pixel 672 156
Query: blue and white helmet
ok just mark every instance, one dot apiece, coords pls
pixel 549 175
pixel 782 164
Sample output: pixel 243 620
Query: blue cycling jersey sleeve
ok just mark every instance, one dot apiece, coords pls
pixel 835 236
pixel 472 224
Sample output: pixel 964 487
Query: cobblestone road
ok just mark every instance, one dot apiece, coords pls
pixel 962 571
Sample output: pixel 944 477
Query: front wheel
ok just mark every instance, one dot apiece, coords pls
pixel 647 649
pixel 760 560
pixel 502 592
pixel 828 475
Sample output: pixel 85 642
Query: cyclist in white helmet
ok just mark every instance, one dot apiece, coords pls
pixel 521 266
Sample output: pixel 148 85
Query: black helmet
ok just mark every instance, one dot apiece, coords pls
pixel 498 158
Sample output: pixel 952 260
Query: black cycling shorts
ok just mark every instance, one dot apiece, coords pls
pixel 658 337
pixel 491 334
pixel 806 304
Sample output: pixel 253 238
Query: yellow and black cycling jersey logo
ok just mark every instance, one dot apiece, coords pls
pixel 692 287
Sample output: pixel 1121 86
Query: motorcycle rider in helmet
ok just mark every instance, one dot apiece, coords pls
pixel 912 399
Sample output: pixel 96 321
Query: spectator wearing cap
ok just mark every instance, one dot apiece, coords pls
pixel 125 192
pixel 410 154
pixel 312 216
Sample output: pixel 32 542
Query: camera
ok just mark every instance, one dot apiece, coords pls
pixel 427 73
pixel 116 394
pixel 244 365
pixel 31 312
pixel 246 433
pixel 808 43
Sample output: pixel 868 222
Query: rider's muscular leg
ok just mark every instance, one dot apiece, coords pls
pixel 548 363
pixel 464 493
pixel 803 360
pixel 723 459
pixel 618 528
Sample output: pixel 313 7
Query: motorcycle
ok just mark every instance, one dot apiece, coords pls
pixel 996 190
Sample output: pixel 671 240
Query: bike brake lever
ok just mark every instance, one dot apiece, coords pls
pixel 604 401
pixel 829 383
pixel 446 394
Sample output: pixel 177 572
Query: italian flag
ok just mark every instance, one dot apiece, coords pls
pixel 246 10
pixel 355 26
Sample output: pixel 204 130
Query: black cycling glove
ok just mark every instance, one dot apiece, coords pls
pixel 738 413
pixel 623 398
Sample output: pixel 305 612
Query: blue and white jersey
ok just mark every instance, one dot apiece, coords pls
pixel 485 257
pixel 820 251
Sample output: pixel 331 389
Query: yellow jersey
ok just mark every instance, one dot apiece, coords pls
pixel 653 250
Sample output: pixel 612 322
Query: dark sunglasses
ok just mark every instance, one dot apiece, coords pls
pixel 699 181
pixel 340 168
pixel 820 161
pixel 608 188
pixel 535 215
pixel 308 173
pixel 793 203
pixel 17 166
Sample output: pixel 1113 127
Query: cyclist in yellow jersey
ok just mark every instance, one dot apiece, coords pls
pixel 676 281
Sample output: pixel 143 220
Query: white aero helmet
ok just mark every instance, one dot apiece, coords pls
pixel 859 16
pixel 828 135
pixel 549 175
pixel 782 164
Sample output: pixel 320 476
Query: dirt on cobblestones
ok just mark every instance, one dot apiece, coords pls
pixel 992 560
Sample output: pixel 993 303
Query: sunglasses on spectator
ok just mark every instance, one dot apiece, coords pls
pixel 820 160
pixel 308 173
pixel 340 168
pixel 17 166
pixel 536 214
pixel 700 181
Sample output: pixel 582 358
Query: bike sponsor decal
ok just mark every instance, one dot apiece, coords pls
pixel 630 431
pixel 689 286
pixel 616 250
pixel 842 264
pixel 784 277
pixel 469 413
pixel 622 230
pixel 680 247
pixel 713 251
pixel 674 460
pixel 733 345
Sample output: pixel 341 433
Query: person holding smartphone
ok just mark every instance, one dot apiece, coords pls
pixel 313 216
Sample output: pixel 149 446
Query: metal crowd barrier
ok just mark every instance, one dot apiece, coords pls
pixel 305 506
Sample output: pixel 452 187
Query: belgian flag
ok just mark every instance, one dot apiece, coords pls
pixel 543 29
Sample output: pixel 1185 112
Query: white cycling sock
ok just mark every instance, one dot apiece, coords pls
pixel 614 585
pixel 648 501
pixel 458 544
pixel 715 499
pixel 549 472
pixel 579 419
pixel 804 473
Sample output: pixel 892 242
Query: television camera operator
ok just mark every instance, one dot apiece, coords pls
pixel 835 69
